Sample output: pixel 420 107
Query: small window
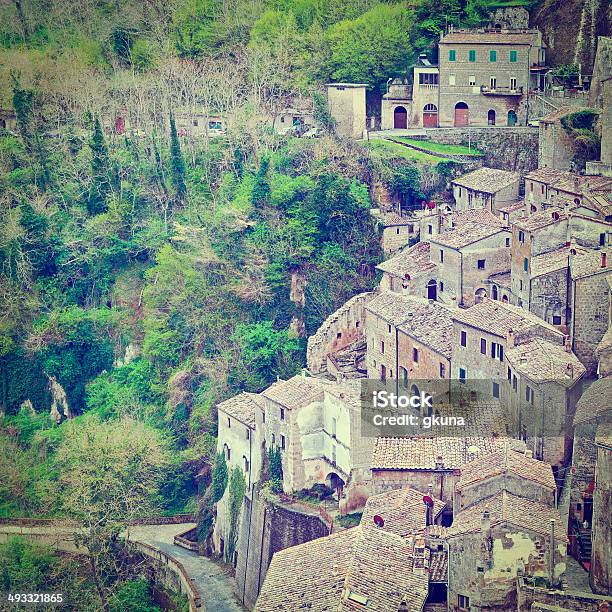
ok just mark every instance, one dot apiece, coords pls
pixel 513 56
pixel 397 231
pixel 357 323
pixel 493 82
pixel 441 285
pixel 481 264
pixel 463 338
pixel 542 189
pixel 493 56
pixel 463 602
pixel 229 423
pixel 507 239
pixel 520 285
pixel 214 125
pixel 283 442
pixel 246 464
pixel 472 55
pixel 195 123
pixel 525 264
pixel 452 55
pixel 509 374
pixel 282 414
pixel 472 80
pixel 339 335
pixel 382 347
pixel 442 370
pixel 389 328
pixel 483 346
pixel 462 375
pixel 495 390
pixel 521 236
pixel 513 83
pixel 514 382
pixel 451 79
pixel 415 355
pixel 441 256
pixel 228 453
pixel 247 433
pixel 529 394
pixel 429 229
pixel 602 239
pixel 556 320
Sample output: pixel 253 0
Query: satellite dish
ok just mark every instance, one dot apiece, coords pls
pixel 473 450
pixel 379 521
pixel 428 501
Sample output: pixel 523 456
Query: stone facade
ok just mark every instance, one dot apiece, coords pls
pixel 485 76
pixel 556 149
pixel 347 105
pixel 601 559
pixel 396 106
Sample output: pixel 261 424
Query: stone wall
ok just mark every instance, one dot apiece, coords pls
pixel 506 148
pixel 527 596
pixel 443 481
pixel 267 527
pixel 340 329
pixel 601 559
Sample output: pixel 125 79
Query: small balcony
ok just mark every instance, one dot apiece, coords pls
pixel 501 91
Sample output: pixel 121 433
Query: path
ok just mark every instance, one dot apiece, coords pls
pixel 215 584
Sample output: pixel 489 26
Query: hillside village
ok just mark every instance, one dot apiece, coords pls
pixel 502 286
pixel 209 265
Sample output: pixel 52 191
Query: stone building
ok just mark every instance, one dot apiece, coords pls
pixel 397 232
pixel 408 339
pixel 465 257
pixel 589 302
pixel 593 410
pixel 544 382
pixel 486 188
pixel 396 105
pixel 505 469
pixel 409 271
pixel 494 541
pixel 347 105
pixel 601 560
pixel 382 564
pixel 485 76
pixel 8 119
pixel 425 86
pixel 556 147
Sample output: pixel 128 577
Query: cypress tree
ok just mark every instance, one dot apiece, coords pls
pixel 178 164
pixel 100 184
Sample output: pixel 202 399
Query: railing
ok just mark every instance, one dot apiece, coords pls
pixel 501 91
pixel 183 541
pixel 428 86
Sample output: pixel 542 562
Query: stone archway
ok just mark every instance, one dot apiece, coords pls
pixel 479 295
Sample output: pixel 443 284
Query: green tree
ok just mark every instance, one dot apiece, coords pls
pixel 24 567
pixel 261 187
pixel 236 491
pixel 100 186
pixel 321 112
pixel 219 478
pixel 177 163
pixel 275 469
pixel 133 596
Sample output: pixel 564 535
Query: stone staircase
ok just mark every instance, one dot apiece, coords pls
pixel 584 545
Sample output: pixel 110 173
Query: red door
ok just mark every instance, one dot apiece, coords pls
pixel 400 118
pixel 430 116
pixel 462 115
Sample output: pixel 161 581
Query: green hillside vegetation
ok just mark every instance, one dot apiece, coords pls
pixel 436 147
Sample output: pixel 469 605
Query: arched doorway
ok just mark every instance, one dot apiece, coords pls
pixel 333 481
pixel 432 290
pixel 462 114
pixel 494 292
pixel 505 299
pixel 400 118
pixel 480 295
pixel 512 119
pixel 430 115
pixel 491 117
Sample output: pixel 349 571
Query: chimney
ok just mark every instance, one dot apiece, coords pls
pixel 567 344
pixel 510 339
pixel 576 182
pixel 604 260
pixel 485 523
pixel 439 462
pixel 569 371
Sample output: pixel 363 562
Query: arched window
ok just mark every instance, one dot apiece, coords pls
pixel 512 118
pixel 430 115
pixel 494 291
pixel 491 117
pixel 227 452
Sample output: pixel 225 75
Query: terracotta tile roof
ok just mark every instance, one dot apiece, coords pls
pixel 505 460
pixel 412 261
pixel 541 219
pixel 342 571
pixel 498 318
pixel 429 324
pixel 438 566
pixel 595 402
pixel 380 570
pixel 242 407
pixel 295 392
pixel 487 180
pixel 491 38
pixel 576 183
pixel 402 510
pixel 512 206
pixel 599 202
pixel 590 263
pixel 310 574
pixel 505 508
pixel 421 453
pixel 393 219
pixel 547 175
pixel 540 360
pixel 466 234
pixel 554 260
pixel 476 215
pixel 502 279
pixel 390 306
